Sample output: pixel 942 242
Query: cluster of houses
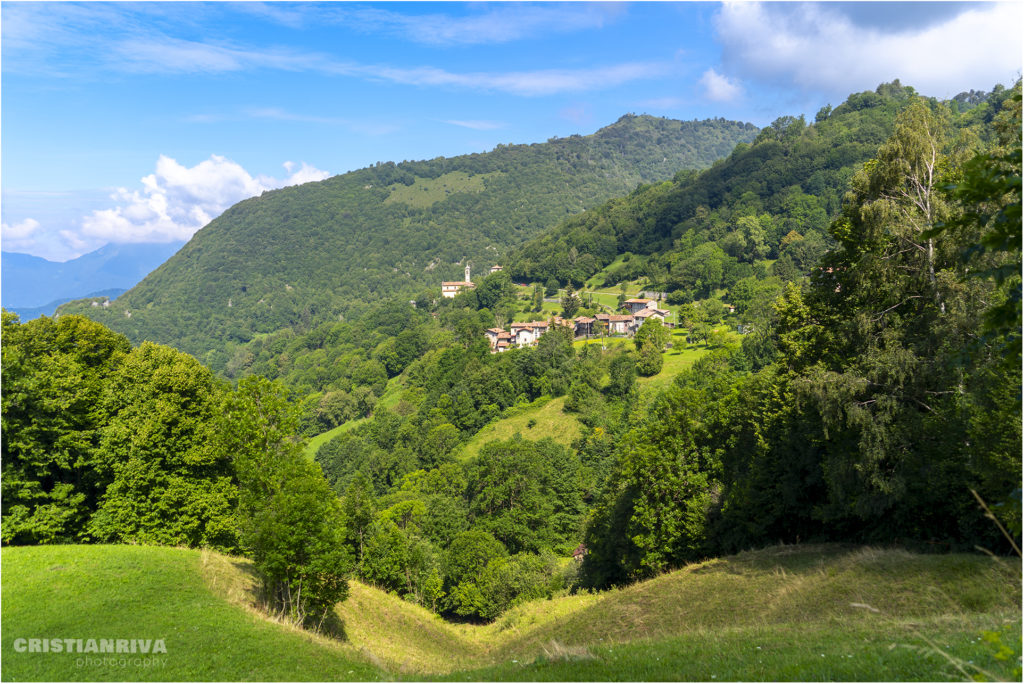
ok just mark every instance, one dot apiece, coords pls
pixel 527 334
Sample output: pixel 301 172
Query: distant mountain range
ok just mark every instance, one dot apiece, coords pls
pixel 27 313
pixel 33 286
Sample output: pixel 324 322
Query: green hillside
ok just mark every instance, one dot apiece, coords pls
pixel 769 200
pixel 537 420
pixel 301 255
pixel 787 612
pixel 146 592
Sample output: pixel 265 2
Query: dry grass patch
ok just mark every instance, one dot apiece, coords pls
pixel 829 588
pixel 404 637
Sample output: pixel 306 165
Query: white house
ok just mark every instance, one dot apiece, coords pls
pixel 527 334
pixel 621 324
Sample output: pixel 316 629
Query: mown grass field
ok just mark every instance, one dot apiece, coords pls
pixel 139 592
pixel 806 613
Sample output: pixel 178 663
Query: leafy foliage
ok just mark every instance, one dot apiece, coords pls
pixel 290 522
pixel 169 485
pixel 54 471
pixel 867 425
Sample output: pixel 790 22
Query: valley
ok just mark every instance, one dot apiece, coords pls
pixel 672 401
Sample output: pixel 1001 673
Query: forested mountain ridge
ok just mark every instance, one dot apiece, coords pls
pixel 744 227
pixel 770 201
pixel 303 254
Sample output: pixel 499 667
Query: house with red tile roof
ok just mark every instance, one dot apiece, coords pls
pixel 527 334
pixel 635 305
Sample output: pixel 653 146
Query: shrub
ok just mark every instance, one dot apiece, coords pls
pixel 291 522
pixel 650 361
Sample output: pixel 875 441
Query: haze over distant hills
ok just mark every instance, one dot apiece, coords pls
pixel 33 286
pixel 309 253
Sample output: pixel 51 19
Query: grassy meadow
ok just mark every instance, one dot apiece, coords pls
pixel 426 192
pixel 537 420
pixel 815 613
pixel 141 592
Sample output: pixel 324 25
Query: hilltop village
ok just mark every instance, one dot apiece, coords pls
pixel 526 333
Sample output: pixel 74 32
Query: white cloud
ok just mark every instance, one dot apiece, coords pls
pixel 477 125
pixel 19 230
pixel 76 244
pixel 86 41
pixel 175 201
pixel 305 174
pixel 815 47
pixel 719 88
pixel 495 24
pixel 162 54
pixel 19 236
pixel 527 83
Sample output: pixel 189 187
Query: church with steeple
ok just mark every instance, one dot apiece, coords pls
pixel 451 288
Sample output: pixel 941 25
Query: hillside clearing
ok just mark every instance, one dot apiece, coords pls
pixel 548 420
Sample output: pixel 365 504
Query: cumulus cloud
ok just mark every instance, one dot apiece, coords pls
pixel 19 230
pixel 304 174
pixel 816 47
pixel 719 88
pixel 15 237
pixel 175 201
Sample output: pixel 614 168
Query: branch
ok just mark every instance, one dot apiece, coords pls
pixel 882 313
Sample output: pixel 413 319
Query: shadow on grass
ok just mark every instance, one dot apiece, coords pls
pixel 332 626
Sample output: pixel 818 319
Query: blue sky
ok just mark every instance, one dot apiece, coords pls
pixel 141 122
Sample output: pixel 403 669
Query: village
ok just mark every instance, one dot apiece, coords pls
pixel 525 334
